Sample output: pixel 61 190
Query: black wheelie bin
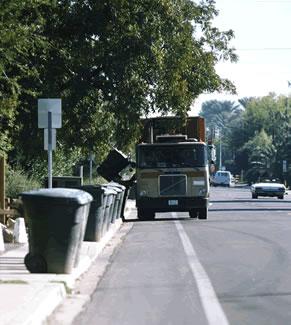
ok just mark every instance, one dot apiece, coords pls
pixel 57 220
pixel 96 216
pixel 120 198
pixel 110 195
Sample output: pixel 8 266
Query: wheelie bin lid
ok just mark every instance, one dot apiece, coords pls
pixel 115 188
pixel 117 185
pixel 59 195
pixel 95 189
pixel 109 191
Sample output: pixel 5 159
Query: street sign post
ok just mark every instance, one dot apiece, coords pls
pixel 50 119
pixel 91 158
pixel 53 141
pixel 284 166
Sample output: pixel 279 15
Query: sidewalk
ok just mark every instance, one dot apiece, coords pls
pixel 28 299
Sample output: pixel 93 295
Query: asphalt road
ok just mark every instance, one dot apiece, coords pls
pixel 234 268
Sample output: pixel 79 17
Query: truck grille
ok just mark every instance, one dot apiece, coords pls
pixel 172 185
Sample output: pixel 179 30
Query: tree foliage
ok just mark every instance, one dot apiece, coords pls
pixel 261 155
pixel 256 137
pixel 222 120
pixel 112 62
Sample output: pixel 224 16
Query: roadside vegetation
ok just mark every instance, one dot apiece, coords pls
pixel 254 135
pixel 111 63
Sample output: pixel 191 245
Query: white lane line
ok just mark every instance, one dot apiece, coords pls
pixel 212 308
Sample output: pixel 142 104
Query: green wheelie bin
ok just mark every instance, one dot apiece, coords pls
pixel 96 216
pixel 56 220
pixel 120 196
pixel 110 195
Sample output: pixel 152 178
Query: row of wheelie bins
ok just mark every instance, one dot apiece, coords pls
pixel 60 219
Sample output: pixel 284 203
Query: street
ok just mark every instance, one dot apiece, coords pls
pixel 234 268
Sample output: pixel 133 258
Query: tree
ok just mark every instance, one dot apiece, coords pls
pixel 222 120
pixel 261 156
pixel 21 44
pixel 266 114
pixel 112 62
pixel 142 56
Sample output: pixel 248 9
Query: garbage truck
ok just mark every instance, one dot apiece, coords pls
pixel 171 168
pixel 172 171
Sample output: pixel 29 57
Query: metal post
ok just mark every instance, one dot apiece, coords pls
pixel 2 183
pixel 91 167
pixel 220 153
pixel 50 151
pixel 81 173
pixel 151 131
pixel 285 173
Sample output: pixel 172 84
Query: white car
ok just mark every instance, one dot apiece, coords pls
pixel 223 178
pixel 268 188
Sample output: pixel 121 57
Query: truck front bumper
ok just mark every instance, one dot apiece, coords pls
pixel 177 204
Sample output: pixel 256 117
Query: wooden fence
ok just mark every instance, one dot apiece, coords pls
pixel 11 210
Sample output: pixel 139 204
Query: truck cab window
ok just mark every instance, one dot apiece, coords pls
pixel 171 156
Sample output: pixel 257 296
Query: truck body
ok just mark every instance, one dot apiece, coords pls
pixel 172 168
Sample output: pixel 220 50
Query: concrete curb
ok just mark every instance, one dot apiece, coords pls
pixel 31 298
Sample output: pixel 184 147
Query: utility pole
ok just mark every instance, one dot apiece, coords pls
pixel 285 162
pixel 2 183
pixel 91 158
pixel 220 151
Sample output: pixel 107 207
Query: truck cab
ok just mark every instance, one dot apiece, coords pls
pixel 172 175
pixel 171 168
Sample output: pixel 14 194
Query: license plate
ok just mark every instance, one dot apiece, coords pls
pixel 172 202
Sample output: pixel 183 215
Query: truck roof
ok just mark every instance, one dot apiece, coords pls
pixel 160 144
pixel 192 127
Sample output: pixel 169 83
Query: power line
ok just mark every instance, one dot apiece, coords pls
pixel 275 1
pixel 264 48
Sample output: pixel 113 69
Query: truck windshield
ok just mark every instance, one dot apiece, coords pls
pixel 172 156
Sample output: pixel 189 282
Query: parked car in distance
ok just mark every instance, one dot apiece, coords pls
pixel 223 178
pixel 268 188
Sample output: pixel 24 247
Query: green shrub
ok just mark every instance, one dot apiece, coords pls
pixel 17 181
pixel 63 164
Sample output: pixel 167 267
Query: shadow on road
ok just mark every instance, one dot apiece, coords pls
pixel 251 209
pixel 251 201
pixel 158 219
pixel 255 205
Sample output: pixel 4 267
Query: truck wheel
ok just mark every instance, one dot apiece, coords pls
pixel 202 213
pixel 281 197
pixel 145 214
pixel 254 196
pixel 193 213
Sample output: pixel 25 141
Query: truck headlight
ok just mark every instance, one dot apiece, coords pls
pixel 202 191
pixel 143 193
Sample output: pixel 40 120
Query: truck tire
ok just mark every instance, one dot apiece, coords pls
pixel 145 214
pixel 202 213
pixel 254 196
pixel 281 197
pixel 193 213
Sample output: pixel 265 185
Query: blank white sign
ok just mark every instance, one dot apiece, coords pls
pixel 53 105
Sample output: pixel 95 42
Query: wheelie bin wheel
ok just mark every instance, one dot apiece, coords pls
pixel 35 263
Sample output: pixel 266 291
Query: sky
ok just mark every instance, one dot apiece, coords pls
pixel 263 43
